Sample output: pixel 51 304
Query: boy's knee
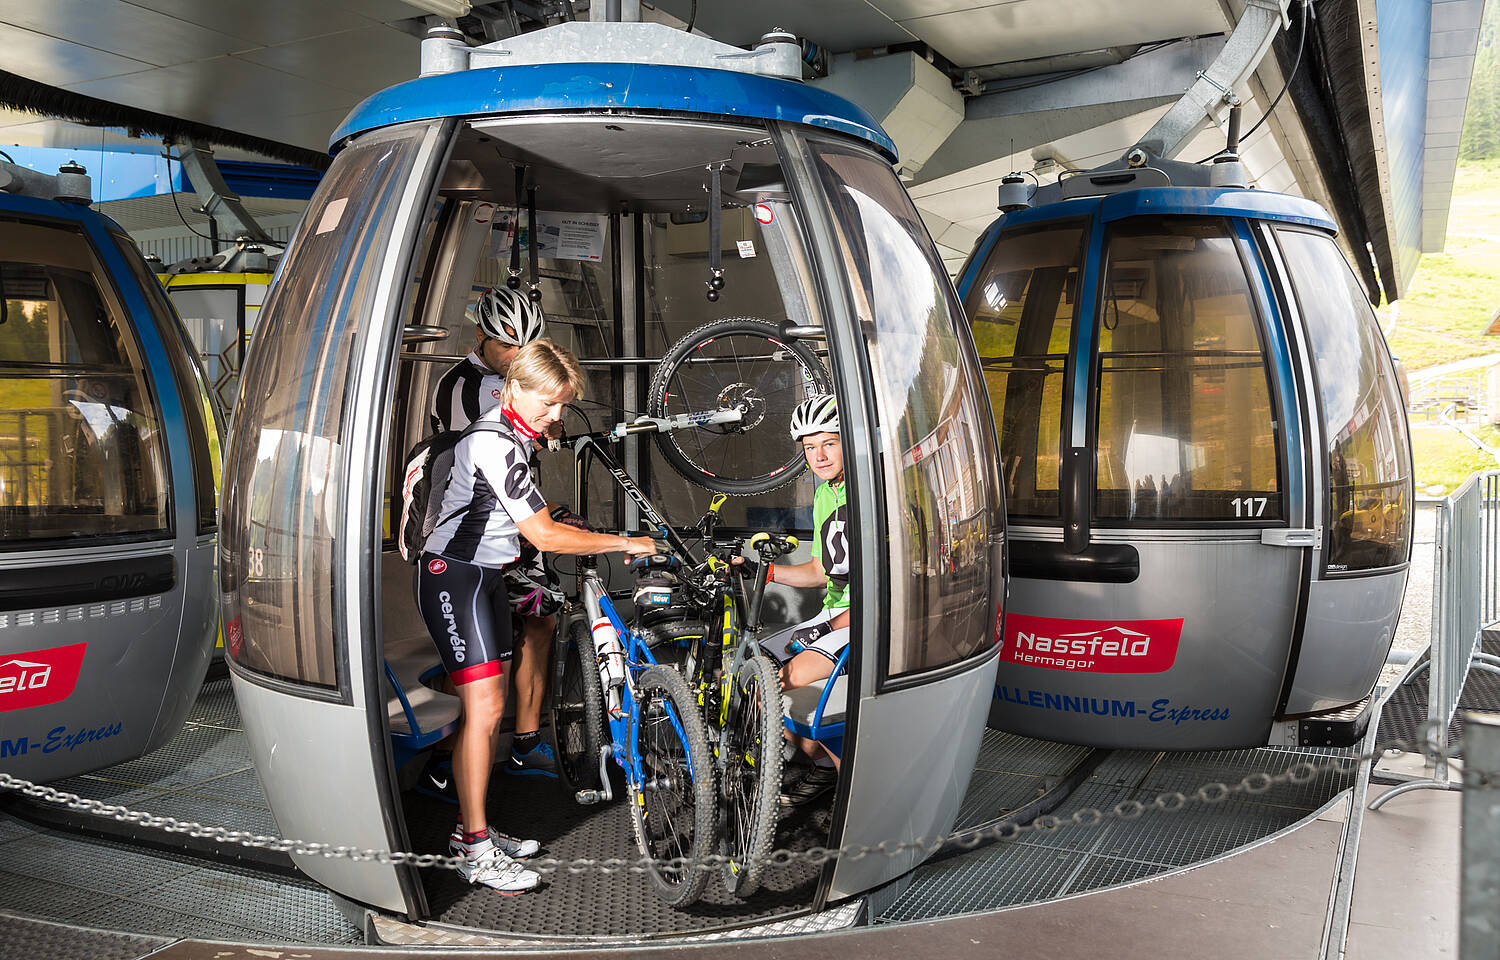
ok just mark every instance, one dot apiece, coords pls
pixel 805 668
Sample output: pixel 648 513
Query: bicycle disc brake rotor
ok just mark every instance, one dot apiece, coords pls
pixel 748 400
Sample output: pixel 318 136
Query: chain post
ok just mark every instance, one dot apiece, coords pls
pixel 1479 897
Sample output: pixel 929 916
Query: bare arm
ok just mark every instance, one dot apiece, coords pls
pixel 809 574
pixel 549 536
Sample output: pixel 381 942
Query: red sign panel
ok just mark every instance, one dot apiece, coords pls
pixel 39 677
pixel 1091 646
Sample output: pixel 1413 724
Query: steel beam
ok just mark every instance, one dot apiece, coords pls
pixel 218 201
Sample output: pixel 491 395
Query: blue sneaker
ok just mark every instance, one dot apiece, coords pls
pixel 539 761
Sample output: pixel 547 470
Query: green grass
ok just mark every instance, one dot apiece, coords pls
pixel 1454 293
pixel 1445 459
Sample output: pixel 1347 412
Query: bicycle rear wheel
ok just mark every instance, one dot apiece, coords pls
pixel 737 362
pixel 578 710
pixel 672 810
pixel 752 775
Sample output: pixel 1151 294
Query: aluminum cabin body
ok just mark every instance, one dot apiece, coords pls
pixel 1208 470
pixel 620 149
pixel 108 493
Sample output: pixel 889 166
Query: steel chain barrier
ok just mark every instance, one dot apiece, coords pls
pixel 1170 802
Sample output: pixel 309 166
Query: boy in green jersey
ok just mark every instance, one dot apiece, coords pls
pixel 809 650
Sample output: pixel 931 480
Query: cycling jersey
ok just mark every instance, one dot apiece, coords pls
pixel 468 389
pixel 467 611
pixel 490 487
pixel 831 542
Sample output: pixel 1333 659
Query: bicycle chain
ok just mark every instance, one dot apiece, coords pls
pixel 1170 802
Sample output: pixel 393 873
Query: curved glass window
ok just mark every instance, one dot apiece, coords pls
pixel 285 499
pixel 1185 424
pixel 201 415
pixel 1369 455
pixel 932 439
pixel 1021 311
pixel 81 448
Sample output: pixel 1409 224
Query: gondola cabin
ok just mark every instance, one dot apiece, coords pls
pixel 109 462
pixel 643 182
pixel 1207 469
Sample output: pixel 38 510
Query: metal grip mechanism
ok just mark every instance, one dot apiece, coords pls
pixel 715 231
pixel 513 279
pixel 535 293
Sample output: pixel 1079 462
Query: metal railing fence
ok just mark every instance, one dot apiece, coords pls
pixel 1465 600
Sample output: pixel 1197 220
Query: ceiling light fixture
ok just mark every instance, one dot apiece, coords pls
pixel 444 8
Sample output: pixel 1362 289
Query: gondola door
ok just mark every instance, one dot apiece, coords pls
pixel 926 525
pixel 302 512
pixel 1153 451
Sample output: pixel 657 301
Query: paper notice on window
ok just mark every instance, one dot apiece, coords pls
pixel 332 214
pixel 561 236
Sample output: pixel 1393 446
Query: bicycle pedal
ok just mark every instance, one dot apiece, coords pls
pixel 588 797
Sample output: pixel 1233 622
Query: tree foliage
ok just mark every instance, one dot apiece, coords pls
pixel 1481 137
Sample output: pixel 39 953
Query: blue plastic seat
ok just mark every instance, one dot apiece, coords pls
pixel 419 717
pixel 817 710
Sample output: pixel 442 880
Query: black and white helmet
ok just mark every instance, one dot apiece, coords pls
pixel 817 414
pixel 504 314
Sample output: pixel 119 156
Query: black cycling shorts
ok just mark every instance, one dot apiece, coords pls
pixel 467 610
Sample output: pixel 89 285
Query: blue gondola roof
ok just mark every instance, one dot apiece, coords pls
pixel 1151 201
pixel 1190 201
pixel 537 88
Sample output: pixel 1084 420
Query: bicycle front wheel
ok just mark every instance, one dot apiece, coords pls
pixel 738 363
pixel 672 809
pixel 752 774
pixel 578 710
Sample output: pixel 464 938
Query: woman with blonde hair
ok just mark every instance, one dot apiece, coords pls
pixel 491 503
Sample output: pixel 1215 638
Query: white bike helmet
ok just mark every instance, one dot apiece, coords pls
pixel 506 315
pixel 817 414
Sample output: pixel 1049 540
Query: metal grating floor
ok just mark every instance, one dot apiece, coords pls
pixel 49 875
pixel 1406 711
pixel 587 906
pixel 203 774
pixel 1075 859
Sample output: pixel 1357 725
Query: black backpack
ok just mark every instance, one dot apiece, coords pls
pixel 428 465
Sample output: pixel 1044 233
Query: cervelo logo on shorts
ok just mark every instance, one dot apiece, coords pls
pixel 459 646
pixel 39 677
pixel 437 565
pixel 1091 646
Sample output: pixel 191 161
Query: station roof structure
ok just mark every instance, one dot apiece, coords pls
pixel 968 89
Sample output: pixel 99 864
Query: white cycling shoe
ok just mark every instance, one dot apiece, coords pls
pixel 487 865
pixel 508 845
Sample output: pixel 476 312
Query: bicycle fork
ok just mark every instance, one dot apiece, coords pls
pixel 609 660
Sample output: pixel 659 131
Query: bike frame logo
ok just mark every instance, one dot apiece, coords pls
pixel 39 677
pixel 1091 646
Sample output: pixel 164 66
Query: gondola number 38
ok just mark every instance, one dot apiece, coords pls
pixel 1250 506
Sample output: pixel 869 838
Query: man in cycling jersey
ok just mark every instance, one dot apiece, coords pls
pixel 504 321
pixel 808 651
pixel 491 503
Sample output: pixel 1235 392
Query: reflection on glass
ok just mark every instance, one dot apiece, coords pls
pixel 202 415
pixel 81 451
pixel 1369 455
pixel 1021 311
pixel 285 500
pixel 938 512
pixel 1186 428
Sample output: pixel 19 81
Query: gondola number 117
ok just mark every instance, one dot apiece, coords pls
pixel 1250 506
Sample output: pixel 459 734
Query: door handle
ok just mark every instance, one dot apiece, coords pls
pixel 1283 537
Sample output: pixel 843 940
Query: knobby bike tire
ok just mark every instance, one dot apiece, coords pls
pixel 670 801
pixel 577 710
pixel 752 775
pixel 794 373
